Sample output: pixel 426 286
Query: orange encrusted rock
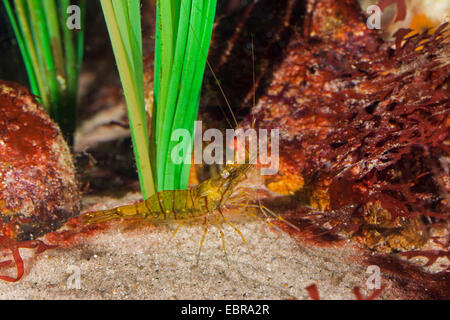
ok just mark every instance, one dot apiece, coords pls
pixel 38 187
pixel 364 124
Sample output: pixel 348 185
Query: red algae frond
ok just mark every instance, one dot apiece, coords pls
pixel 430 255
pixel 6 243
pixel 401 8
pixel 313 292
pixel 372 296
pixel 73 232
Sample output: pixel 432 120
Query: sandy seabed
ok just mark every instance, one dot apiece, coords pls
pixel 145 263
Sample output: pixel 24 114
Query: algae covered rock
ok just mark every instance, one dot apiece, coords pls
pixel 38 187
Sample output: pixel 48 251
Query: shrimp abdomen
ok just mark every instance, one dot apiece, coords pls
pixel 162 206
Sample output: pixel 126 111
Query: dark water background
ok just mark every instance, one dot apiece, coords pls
pixel 11 63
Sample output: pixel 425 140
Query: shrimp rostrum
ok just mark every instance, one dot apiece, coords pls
pixel 207 201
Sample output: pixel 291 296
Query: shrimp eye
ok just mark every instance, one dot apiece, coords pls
pixel 225 174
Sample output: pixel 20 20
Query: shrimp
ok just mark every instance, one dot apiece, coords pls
pixel 208 200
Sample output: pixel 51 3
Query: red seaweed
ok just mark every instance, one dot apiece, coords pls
pixel 410 281
pixel 7 242
pixel 372 296
pixel 430 255
pixel 401 8
pixel 74 231
pixel 14 246
pixel 313 292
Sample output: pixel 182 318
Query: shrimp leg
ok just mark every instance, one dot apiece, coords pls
pixel 227 221
pixel 205 230
pixel 175 232
pixel 222 235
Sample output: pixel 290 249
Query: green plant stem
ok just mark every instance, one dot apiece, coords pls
pixel 184 103
pixel 51 16
pixel 73 52
pixel 80 36
pixel 201 21
pixel 129 77
pixel 179 68
pixel 204 43
pixel 52 55
pixel 166 30
pixel 42 42
pixel 22 46
pixel 173 98
pixel 21 7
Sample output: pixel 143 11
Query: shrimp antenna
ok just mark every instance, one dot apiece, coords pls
pixel 254 84
pixel 254 78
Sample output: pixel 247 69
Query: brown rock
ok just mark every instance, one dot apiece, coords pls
pixel 38 187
